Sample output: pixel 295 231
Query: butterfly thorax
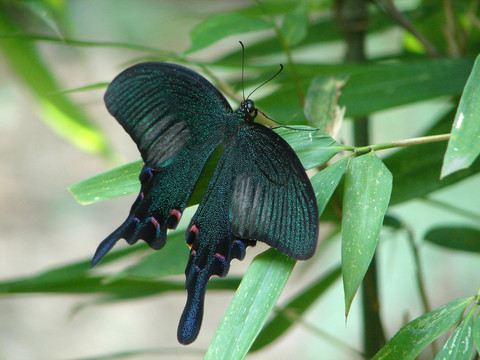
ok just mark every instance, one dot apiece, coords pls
pixel 247 110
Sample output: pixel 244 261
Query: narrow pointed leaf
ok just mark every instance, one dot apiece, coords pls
pixel 476 332
pixel 218 27
pixel 321 103
pixel 295 24
pixel 170 261
pixel 58 112
pixel 455 237
pixel 459 345
pixel 368 185
pixel 249 309
pixel 113 183
pixel 281 322
pixel 411 339
pixel 326 181
pixel 312 146
pixel 464 145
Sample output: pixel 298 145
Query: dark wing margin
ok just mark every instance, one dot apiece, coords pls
pixel 273 200
pixel 177 119
pixel 167 109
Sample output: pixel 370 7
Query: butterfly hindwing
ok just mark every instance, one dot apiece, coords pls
pixel 177 119
pixel 273 200
pixel 259 192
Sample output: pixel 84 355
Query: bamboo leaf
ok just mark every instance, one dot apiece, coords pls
pixel 281 322
pixel 218 27
pixel 459 345
pixel 412 338
pixel 295 24
pixel 455 237
pixel 326 181
pixel 113 183
pixel 254 300
pixel 368 185
pixel 464 144
pixel 321 104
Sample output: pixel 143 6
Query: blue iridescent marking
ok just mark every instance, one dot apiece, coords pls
pixel 149 171
pixel 137 220
pixel 239 243
pixel 156 224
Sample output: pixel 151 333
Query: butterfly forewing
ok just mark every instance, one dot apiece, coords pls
pixel 167 109
pixel 258 191
pixel 273 200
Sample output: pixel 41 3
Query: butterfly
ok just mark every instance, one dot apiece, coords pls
pixel 258 191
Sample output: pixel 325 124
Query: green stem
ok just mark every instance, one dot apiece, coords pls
pixel 402 143
pixel 419 269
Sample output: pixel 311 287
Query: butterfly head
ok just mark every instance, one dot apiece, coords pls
pixel 247 110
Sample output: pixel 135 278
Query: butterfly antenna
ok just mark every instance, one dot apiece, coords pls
pixel 243 66
pixel 266 81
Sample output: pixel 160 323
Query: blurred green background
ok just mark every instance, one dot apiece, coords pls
pixel 41 225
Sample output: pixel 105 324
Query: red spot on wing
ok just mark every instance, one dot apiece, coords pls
pixel 220 256
pixel 155 222
pixel 176 213
pixel 194 229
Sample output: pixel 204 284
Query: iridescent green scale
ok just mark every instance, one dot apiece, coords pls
pixel 259 190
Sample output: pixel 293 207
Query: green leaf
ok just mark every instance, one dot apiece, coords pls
pixel 77 278
pixel 373 87
pixel 368 185
pixel 284 318
pixel 58 112
pixel 113 183
pixel 171 260
pixel 312 146
pixel 459 345
pixel 464 144
pixel 295 24
pixel 326 181
pixel 321 103
pixel 412 338
pixel 476 332
pixel 218 27
pixel 415 175
pixel 455 237
pixel 254 300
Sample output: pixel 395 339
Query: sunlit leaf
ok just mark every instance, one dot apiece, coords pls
pixel 113 183
pixel 368 185
pixel 326 181
pixel 411 339
pixel 464 145
pixel 282 322
pixel 312 146
pixel 476 332
pixel 65 118
pixel 321 104
pixel 459 345
pixel 249 309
